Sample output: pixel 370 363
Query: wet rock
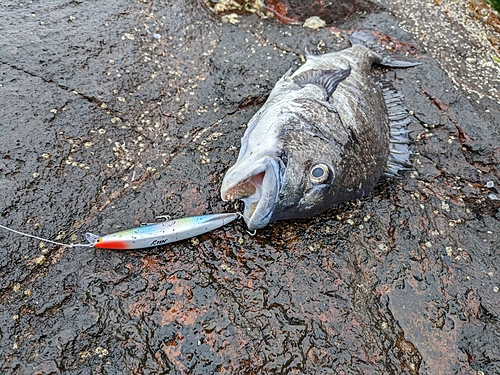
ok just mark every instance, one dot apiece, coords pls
pixel 469 37
pixel 296 12
pixel 106 125
pixel 332 12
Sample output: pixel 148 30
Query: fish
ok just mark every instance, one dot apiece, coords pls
pixel 326 134
pixel 161 233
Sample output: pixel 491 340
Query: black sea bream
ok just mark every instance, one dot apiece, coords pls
pixel 325 135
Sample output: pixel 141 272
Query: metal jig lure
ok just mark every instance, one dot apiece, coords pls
pixel 149 235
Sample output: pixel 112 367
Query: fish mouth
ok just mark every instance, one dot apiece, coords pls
pixel 257 184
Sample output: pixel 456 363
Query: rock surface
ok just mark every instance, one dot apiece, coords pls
pixel 116 113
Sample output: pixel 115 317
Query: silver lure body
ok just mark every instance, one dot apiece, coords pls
pixel 161 233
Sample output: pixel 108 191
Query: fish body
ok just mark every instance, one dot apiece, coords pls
pixel 161 233
pixel 326 135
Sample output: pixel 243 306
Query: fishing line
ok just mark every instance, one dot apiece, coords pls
pixel 94 240
pixel 46 240
pixel 244 217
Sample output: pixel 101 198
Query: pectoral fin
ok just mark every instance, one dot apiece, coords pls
pixel 328 80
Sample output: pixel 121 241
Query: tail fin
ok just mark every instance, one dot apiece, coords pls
pixel 367 39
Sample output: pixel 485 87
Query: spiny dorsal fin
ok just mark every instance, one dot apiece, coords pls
pixel 312 52
pixel 328 80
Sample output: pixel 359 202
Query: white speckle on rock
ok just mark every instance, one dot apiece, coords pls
pixel 314 22
pixel 230 18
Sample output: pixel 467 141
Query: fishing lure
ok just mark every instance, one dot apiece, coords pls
pixel 152 234
pixel 161 233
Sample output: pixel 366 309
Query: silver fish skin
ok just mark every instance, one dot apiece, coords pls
pixel 322 137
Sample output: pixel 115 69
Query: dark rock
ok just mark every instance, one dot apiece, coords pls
pixel 119 112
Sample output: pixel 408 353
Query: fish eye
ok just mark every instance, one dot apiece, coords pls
pixel 319 173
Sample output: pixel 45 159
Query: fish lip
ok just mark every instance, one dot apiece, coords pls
pixel 259 206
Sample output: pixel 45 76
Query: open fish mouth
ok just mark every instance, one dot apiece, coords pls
pixel 257 184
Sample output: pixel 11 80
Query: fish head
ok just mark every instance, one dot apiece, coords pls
pixel 311 181
pixel 288 173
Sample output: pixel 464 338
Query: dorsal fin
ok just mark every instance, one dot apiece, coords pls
pixel 328 80
pixel 312 52
pixel 399 119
